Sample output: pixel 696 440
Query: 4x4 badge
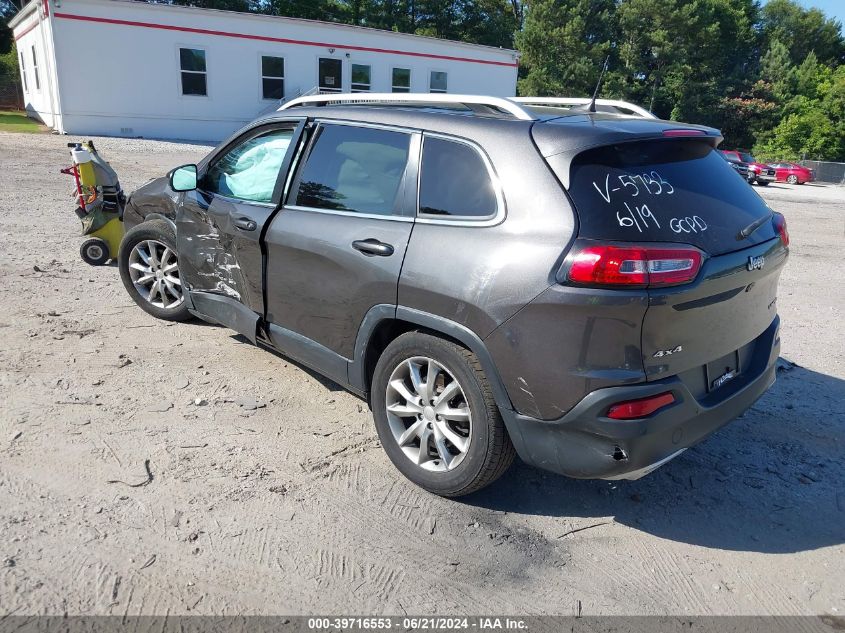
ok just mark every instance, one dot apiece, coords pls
pixel 756 263
pixel 667 352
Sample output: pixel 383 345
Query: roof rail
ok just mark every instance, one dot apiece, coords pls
pixel 477 103
pixel 575 101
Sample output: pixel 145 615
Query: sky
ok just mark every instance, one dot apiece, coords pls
pixel 833 8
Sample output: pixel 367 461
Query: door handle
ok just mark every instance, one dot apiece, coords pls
pixel 245 224
pixel 372 247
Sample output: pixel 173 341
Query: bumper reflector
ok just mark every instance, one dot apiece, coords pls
pixel 635 409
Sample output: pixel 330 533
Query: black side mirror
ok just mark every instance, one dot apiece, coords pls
pixel 184 178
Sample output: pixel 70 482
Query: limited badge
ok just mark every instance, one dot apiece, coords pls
pixel 721 380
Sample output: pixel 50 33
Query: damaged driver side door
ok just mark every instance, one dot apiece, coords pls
pixel 220 223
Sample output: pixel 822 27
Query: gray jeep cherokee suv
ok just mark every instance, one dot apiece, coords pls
pixel 592 291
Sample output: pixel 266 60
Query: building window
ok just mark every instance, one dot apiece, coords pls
pixel 437 81
pixel 360 78
pixel 401 80
pixel 192 65
pixel 35 70
pixel 272 77
pixel 330 74
pixel 23 73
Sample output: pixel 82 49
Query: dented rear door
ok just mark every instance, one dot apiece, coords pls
pixel 220 224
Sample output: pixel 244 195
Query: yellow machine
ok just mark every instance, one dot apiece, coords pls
pixel 100 203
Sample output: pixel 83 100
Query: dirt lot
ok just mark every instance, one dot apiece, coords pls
pixel 292 507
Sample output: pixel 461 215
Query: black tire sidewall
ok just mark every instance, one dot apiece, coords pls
pixel 160 231
pixel 471 467
pixel 88 258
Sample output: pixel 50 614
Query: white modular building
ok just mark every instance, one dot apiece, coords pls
pixel 137 69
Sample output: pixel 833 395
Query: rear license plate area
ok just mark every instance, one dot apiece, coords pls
pixel 722 370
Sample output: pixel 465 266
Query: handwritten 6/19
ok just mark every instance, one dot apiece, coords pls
pixel 641 216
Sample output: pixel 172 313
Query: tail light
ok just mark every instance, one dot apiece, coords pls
pixel 640 266
pixel 780 226
pixel 635 409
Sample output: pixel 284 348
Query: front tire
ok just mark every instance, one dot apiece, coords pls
pixel 792 179
pixel 436 417
pixel 149 269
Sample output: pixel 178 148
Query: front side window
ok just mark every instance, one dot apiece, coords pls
pixel 249 170
pixel 437 81
pixel 360 78
pixel 193 70
pixel 455 181
pixel 331 74
pixel 272 77
pixel 35 70
pixel 354 169
pixel 401 80
pixel 23 73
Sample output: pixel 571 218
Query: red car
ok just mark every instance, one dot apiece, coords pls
pixel 757 172
pixel 793 174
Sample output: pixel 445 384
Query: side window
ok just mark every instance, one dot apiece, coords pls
pixel 193 71
pixel 401 79
pixel 249 170
pixel 35 70
pixel 360 78
pixel 437 81
pixel 354 169
pixel 23 73
pixel 272 77
pixel 455 181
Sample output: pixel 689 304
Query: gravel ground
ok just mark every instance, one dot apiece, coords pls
pixel 289 505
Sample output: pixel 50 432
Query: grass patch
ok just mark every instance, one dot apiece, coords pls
pixel 19 122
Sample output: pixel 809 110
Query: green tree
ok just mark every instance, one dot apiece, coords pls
pixel 8 8
pixel 563 44
pixel 326 10
pixel 813 122
pixel 778 73
pixel 742 119
pixel 803 30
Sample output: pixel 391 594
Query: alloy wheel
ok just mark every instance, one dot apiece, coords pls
pixel 792 180
pixel 428 414
pixel 154 270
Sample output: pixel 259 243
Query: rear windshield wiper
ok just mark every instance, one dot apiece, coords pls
pixel 756 224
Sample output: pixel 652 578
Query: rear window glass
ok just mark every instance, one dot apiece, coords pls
pixel 664 191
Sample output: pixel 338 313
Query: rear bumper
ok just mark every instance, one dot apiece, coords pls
pixel 586 444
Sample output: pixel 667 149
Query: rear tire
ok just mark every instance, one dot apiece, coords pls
pixel 466 444
pixel 149 269
pixel 792 179
pixel 94 251
pixel 763 183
